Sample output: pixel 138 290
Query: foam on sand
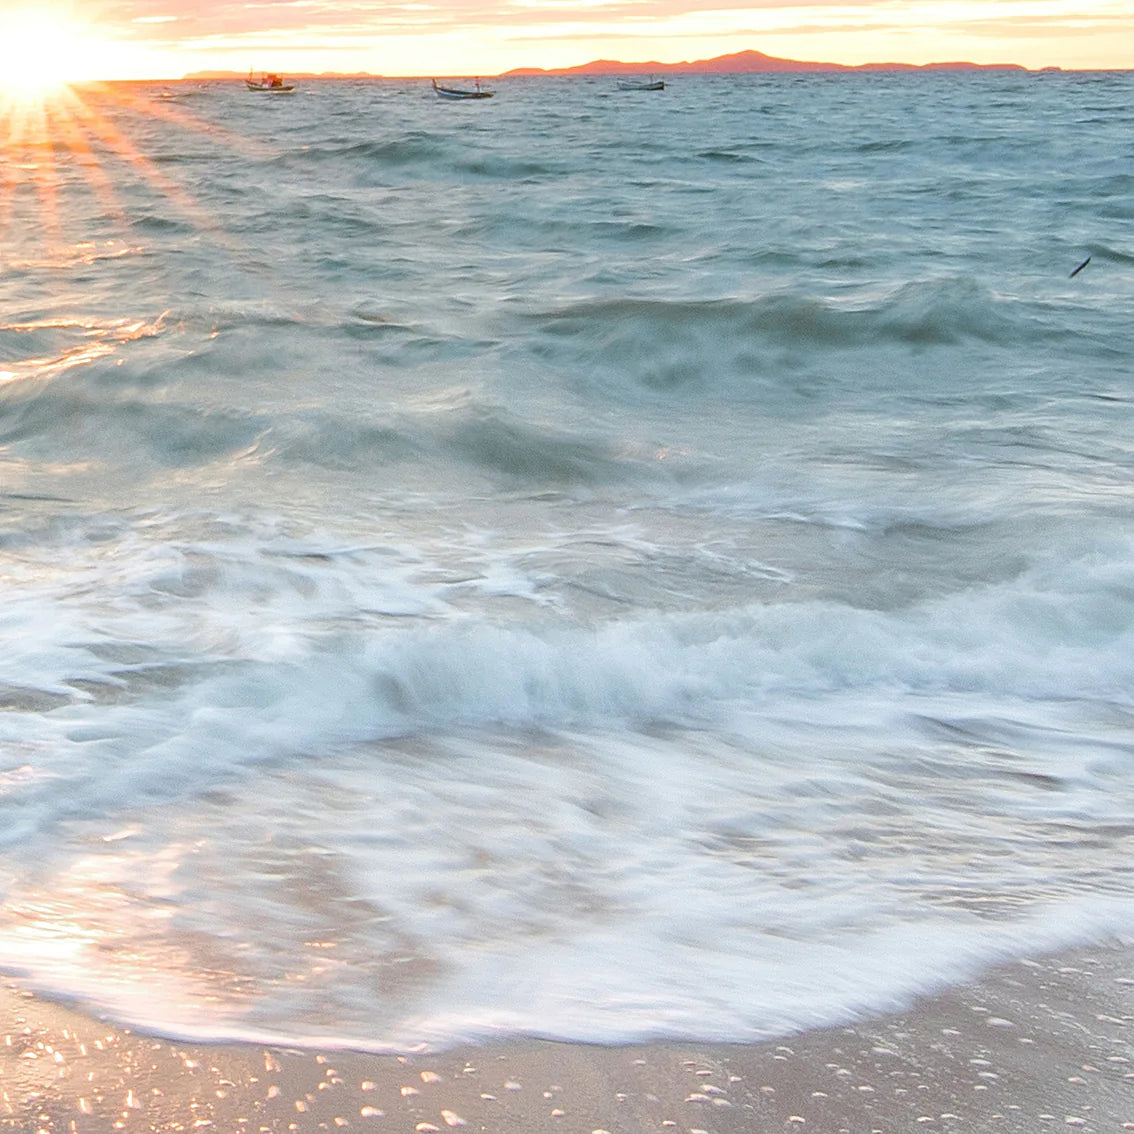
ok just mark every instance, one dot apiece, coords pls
pixel 1034 1046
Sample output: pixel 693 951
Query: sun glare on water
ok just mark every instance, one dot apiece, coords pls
pixel 65 123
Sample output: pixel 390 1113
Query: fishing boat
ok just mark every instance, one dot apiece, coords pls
pixel 650 84
pixel 269 82
pixel 462 92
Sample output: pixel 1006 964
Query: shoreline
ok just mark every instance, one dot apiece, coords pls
pixel 1032 1046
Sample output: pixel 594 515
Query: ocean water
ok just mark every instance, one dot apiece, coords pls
pixel 584 564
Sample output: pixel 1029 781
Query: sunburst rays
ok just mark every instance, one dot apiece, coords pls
pixel 75 136
pixel 60 130
pixel 79 167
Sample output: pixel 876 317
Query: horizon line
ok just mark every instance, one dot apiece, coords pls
pixel 959 67
pixel 745 62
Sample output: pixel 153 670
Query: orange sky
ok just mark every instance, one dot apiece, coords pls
pixel 168 38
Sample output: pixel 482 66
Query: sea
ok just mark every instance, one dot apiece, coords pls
pixel 586 564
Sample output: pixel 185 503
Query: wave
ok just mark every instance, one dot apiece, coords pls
pixel 336 217
pixel 266 686
pixel 665 345
pixel 532 454
pixel 111 419
pixel 413 148
pixel 729 157
pixel 1059 632
pixel 162 224
pixel 74 427
pixel 43 348
pixel 433 156
pixel 497 167
pixel 1109 252
pixel 489 442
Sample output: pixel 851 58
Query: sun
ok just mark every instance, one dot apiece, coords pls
pixel 65 121
pixel 42 48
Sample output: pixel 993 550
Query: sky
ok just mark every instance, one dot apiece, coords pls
pixel 111 39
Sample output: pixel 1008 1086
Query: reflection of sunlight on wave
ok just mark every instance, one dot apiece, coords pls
pixel 99 338
pixel 96 919
pixel 43 143
pixel 76 255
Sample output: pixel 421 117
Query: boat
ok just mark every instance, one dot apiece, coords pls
pixel 650 84
pixel 462 92
pixel 269 82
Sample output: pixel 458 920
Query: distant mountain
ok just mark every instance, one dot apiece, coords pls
pixel 752 63
pixel 740 63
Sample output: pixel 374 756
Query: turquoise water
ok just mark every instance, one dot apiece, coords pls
pixel 583 563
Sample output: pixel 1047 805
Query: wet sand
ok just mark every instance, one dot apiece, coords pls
pixel 1034 1047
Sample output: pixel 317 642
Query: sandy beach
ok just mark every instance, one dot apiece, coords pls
pixel 1035 1046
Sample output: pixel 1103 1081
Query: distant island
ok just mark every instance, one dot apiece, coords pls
pixel 755 63
pixel 739 63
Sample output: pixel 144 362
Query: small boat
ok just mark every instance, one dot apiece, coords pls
pixel 650 84
pixel 458 92
pixel 271 83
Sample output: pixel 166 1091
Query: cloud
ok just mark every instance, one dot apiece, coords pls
pixel 1047 27
pixel 378 34
pixel 211 18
